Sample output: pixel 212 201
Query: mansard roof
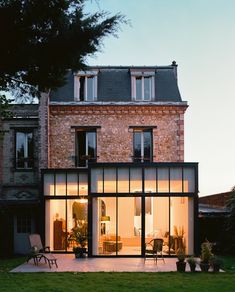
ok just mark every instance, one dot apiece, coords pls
pixel 114 84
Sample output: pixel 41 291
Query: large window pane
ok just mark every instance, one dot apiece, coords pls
pixel 129 226
pixel 139 88
pixel 150 180
pixel 123 180
pixel 176 179
pixel 90 88
pixel 157 222
pixel 163 180
pixel 49 184
pixel 77 221
pixel 104 227
pixel 147 145
pixel 136 180
pixel 56 225
pixel 137 146
pixel 83 184
pixel 147 88
pixel 91 140
pixel 110 180
pixel 97 180
pixel 179 227
pixel 24 150
pixel 81 148
pixel 60 181
pixel 72 184
pixel 189 180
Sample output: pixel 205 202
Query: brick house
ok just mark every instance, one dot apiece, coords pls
pixel 112 157
pixel 19 179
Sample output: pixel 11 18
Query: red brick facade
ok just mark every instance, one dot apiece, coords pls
pixel 114 137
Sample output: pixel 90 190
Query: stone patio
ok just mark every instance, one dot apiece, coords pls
pixel 68 263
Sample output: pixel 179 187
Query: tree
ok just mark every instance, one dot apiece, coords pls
pixel 230 223
pixel 42 39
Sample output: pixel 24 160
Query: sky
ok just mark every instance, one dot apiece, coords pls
pixel 200 37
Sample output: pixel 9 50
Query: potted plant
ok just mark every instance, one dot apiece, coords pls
pixel 216 263
pixel 206 256
pixel 79 235
pixel 192 263
pixel 181 264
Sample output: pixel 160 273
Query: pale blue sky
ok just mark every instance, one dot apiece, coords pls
pixel 200 36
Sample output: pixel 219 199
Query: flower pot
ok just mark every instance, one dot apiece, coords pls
pixel 180 266
pixel 216 267
pixel 80 252
pixel 204 267
pixel 192 267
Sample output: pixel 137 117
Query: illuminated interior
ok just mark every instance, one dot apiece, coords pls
pixel 119 220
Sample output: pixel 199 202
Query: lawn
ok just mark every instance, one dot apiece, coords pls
pixel 115 281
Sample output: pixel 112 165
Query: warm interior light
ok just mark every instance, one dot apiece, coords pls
pixel 81 201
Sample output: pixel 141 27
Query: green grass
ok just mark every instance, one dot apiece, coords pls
pixel 93 282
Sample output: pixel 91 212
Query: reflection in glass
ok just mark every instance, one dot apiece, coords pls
pixel 139 88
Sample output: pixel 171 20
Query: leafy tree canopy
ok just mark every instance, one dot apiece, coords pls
pixel 42 39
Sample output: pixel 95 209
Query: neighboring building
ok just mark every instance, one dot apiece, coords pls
pixel 19 179
pixel 112 153
pixel 212 218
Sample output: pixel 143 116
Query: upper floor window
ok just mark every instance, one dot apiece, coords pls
pixel 85 86
pixel 86 147
pixel 24 149
pixel 143 87
pixel 143 145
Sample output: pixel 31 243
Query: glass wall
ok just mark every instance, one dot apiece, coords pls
pixel 64 220
pixel 157 221
pixel 160 179
pixel 65 184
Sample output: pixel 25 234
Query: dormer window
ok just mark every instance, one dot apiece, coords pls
pixel 143 87
pixel 85 86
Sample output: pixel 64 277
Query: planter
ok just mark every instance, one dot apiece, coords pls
pixel 204 267
pixel 80 252
pixel 180 266
pixel 216 267
pixel 192 267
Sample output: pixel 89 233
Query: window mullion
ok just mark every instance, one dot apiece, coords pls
pixel 25 149
pixel 85 88
pixel 142 79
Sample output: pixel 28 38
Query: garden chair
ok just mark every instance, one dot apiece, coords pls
pixel 154 248
pixel 38 251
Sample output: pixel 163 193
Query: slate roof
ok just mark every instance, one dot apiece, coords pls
pixel 114 84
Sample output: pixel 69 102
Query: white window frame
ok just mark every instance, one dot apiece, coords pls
pixel 151 76
pixel 85 74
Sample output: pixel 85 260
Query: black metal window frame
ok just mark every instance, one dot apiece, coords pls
pixel 143 195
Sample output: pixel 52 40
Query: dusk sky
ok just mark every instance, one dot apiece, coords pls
pixel 200 36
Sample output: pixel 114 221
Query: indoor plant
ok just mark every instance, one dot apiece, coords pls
pixel 181 264
pixel 192 263
pixel 79 235
pixel 206 256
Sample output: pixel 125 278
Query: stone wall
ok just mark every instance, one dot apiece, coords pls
pixel 114 137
